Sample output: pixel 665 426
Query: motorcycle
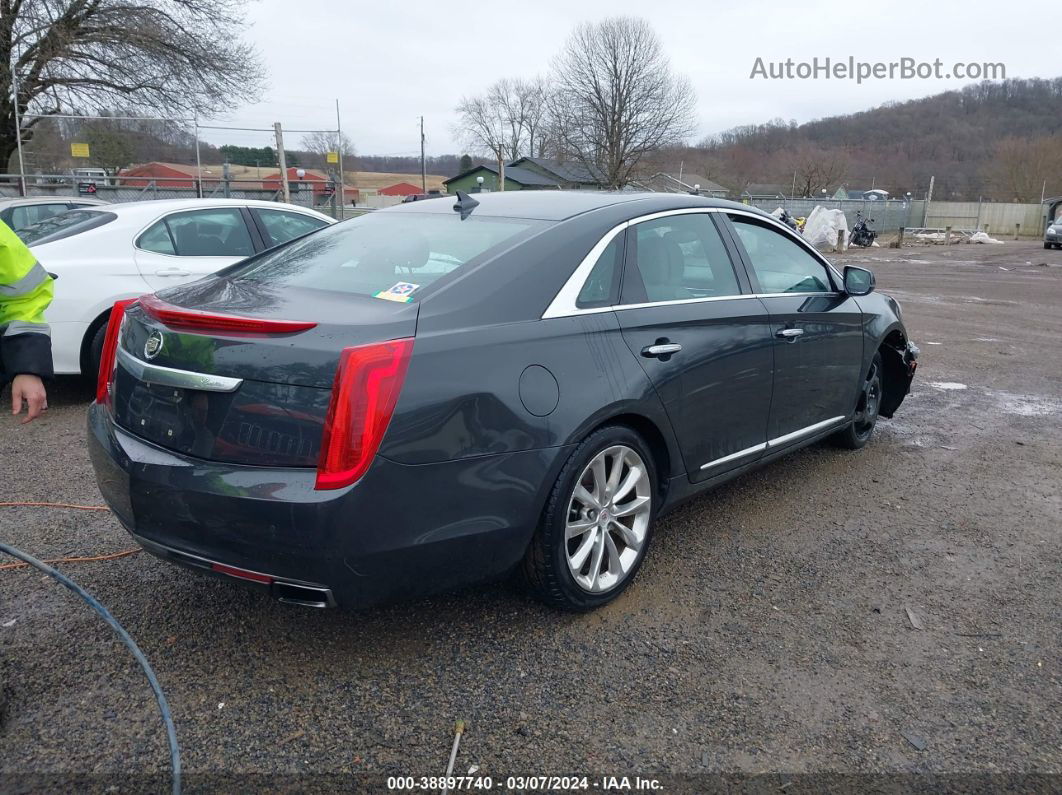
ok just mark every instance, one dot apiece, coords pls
pixel 862 235
pixel 787 218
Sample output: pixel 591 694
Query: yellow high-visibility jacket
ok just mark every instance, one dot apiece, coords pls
pixel 25 292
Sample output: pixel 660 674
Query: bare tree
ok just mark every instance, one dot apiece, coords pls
pixel 151 56
pixel 1021 166
pixel 615 98
pixel 817 169
pixel 507 121
pixel 319 144
pixel 526 110
pixel 483 126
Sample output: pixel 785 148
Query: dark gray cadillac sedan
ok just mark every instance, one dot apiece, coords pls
pixel 446 391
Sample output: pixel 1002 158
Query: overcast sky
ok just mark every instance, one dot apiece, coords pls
pixel 389 62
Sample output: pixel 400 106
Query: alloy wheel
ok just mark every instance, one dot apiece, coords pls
pixel 608 519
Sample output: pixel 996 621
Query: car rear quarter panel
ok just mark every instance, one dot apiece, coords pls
pixel 462 394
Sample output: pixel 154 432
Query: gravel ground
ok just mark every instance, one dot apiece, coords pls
pixel 769 631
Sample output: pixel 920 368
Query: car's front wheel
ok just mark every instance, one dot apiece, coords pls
pixel 596 526
pixel 859 431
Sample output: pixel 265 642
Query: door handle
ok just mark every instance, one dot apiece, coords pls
pixel 790 334
pixel 172 272
pixel 661 349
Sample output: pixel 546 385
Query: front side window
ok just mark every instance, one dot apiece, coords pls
pixel 782 265
pixel 679 257
pixel 199 233
pixel 281 226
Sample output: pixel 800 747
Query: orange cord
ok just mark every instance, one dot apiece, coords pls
pixel 115 556
pixel 53 505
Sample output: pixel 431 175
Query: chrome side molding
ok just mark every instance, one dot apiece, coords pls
pixel 733 456
pixel 181 379
pixel 778 441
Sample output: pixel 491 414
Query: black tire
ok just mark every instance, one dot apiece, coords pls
pixel 545 566
pixel 1049 245
pixel 857 433
pixel 91 369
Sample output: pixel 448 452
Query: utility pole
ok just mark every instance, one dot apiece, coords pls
pixel 339 150
pixel 929 198
pixel 283 162
pixel 423 171
pixel 198 164
pixel 18 136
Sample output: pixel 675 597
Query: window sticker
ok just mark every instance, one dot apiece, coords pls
pixel 401 292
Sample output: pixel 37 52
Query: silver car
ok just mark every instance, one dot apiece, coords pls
pixel 1053 234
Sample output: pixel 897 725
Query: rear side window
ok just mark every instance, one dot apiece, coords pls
pixel 603 281
pixel 157 238
pixel 281 226
pixel 782 265
pixel 199 233
pixel 387 255
pixel 62 226
pixel 680 257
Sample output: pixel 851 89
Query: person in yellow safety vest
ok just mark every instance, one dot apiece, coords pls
pixel 25 339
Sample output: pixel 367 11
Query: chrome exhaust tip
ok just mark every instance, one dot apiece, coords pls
pixel 302 595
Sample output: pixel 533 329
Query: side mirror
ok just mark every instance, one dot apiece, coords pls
pixel 858 281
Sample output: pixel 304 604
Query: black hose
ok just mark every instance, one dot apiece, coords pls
pixel 164 708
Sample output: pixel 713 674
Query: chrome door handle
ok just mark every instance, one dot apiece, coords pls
pixel 789 333
pixel 661 349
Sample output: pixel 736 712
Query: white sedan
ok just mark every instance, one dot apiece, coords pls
pixel 102 255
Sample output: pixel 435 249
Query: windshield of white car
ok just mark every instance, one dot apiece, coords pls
pixel 68 224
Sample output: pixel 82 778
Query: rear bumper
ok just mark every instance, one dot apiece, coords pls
pixel 400 531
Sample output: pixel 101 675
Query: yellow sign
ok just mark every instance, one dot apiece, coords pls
pixel 79 150
pixel 332 157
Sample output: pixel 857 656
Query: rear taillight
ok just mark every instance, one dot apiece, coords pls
pixel 179 318
pixel 110 351
pixel 364 395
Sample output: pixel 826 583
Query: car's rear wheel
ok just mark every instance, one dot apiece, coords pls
pixel 95 353
pixel 596 527
pixel 859 431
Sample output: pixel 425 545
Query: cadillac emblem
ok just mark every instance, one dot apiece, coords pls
pixel 153 345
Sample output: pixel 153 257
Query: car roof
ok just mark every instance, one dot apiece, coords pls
pixel 558 205
pixel 154 207
pixel 21 201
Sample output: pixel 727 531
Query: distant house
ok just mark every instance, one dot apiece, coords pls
pixel 401 189
pixel 165 175
pixel 868 194
pixel 687 183
pixel 526 173
pixel 568 175
pixel 515 179
pixel 756 190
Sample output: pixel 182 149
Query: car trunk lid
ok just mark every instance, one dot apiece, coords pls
pixel 238 396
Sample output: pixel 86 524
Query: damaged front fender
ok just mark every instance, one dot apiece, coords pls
pixel 900 359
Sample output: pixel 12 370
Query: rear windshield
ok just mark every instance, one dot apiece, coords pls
pixel 394 256
pixel 68 224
